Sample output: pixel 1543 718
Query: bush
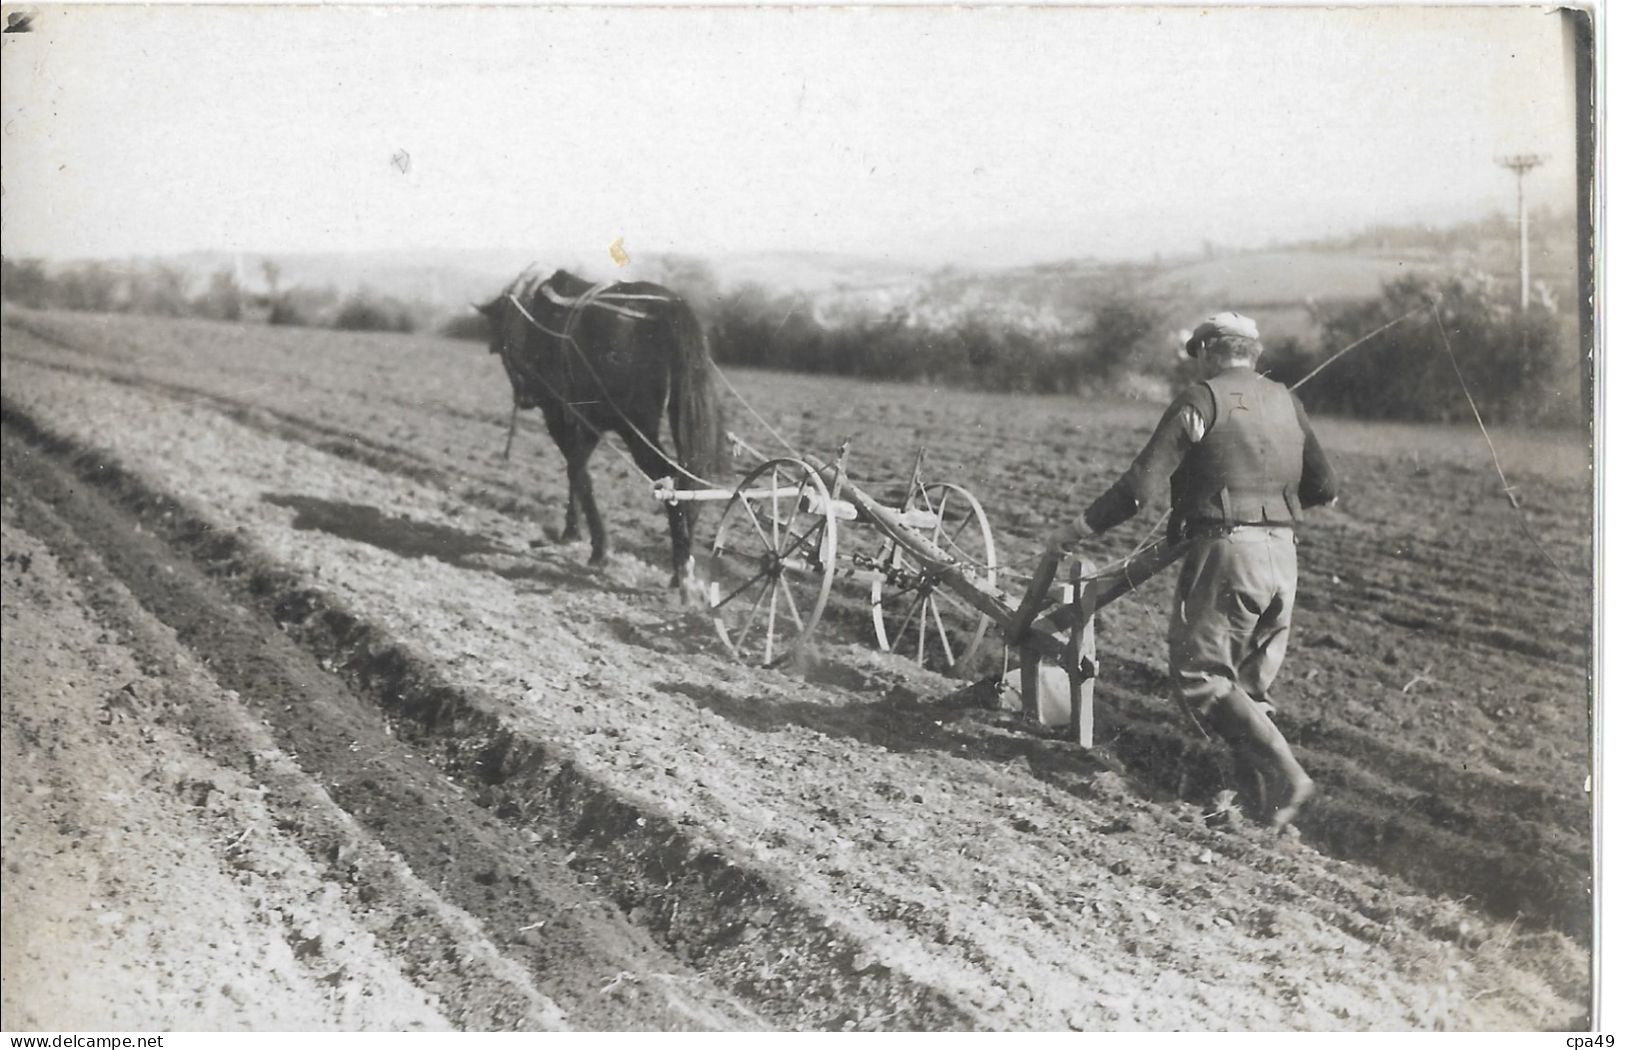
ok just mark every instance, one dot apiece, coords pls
pixel 755 327
pixel 26 283
pixel 89 286
pixel 1508 357
pixel 160 290
pixel 1115 345
pixel 367 312
pixel 1288 360
pixel 222 301
pixel 284 311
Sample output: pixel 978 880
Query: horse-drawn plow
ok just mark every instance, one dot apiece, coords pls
pixel 929 560
pixel 607 358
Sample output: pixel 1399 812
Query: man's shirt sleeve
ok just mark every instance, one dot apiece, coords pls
pixel 1182 425
pixel 1317 485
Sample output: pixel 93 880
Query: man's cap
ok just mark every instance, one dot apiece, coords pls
pixel 1227 323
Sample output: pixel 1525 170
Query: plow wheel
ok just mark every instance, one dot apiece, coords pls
pixel 772 562
pixel 915 615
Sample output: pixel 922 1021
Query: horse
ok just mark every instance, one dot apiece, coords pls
pixel 602 359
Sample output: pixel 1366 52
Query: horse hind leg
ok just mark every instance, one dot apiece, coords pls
pixel 572 531
pixel 575 444
pixel 679 517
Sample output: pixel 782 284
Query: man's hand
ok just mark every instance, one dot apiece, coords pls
pixel 1062 539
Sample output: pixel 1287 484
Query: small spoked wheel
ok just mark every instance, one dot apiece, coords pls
pixel 772 562
pixel 915 613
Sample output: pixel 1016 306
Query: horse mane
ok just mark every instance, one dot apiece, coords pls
pixel 521 287
pixel 567 284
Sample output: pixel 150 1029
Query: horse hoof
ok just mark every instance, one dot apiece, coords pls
pixel 598 560
pixel 569 536
pixel 692 593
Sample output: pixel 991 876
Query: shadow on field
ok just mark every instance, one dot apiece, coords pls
pixel 898 721
pixel 1445 830
pixel 1429 830
pixel 409 538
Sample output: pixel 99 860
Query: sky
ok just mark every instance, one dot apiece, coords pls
pixel 951 135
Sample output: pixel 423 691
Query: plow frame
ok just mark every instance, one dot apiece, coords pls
pixel 1064 633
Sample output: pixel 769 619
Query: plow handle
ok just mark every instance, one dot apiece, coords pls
pixel 1036 598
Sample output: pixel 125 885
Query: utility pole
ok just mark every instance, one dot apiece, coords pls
pixel 1520 164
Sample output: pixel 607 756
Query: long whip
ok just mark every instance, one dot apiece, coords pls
pixel 1506 486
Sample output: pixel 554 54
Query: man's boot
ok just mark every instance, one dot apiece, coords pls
pixel 1252 787
pixel 1259 745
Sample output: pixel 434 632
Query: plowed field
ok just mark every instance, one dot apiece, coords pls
pixel 309 723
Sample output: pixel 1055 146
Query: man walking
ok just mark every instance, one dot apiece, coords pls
pixel 1242 464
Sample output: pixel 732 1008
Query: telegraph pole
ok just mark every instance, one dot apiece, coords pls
pixel 1521 164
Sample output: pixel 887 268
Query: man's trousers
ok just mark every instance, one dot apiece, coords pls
pixel 1231 616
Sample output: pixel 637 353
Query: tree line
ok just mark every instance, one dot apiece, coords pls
pixel 1464 331
pixel 1519 364
pixel 163 290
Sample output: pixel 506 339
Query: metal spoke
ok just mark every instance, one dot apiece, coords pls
pixel 959 603
pixel 740 589
pixel 942 632
pixel 772 619
pixel 787 521
pixel 750 620
pixel 731 552
pixel 902 631
pixel 775 509
pixel 900 592
pixel 953 541
pixel 923 578
pixel 790 602
pixel 802 540
pixel 795 508
pixel 942 515
pixel 757 525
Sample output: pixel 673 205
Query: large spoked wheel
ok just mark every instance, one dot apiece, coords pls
pixel 772 562
pixel 914 612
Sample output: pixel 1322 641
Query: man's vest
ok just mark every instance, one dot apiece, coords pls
pixel 1246 469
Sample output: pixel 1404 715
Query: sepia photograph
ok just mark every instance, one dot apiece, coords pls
pixel 929 518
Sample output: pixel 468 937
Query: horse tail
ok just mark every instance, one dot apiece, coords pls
pixel 694 409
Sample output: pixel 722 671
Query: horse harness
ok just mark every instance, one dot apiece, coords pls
pixel 597 296
pixel 600 296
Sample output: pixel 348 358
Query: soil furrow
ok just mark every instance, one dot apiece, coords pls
pixel 874 838
pixel 1444 843
pixel 435 944
pixel 727 923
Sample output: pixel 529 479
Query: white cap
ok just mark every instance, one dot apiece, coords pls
pixel 1226 323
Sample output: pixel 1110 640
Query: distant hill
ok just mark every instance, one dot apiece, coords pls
pixel 1285 291
pixel 438 279
pixel 812 272
pixel 1286 288
pixel 1283 277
